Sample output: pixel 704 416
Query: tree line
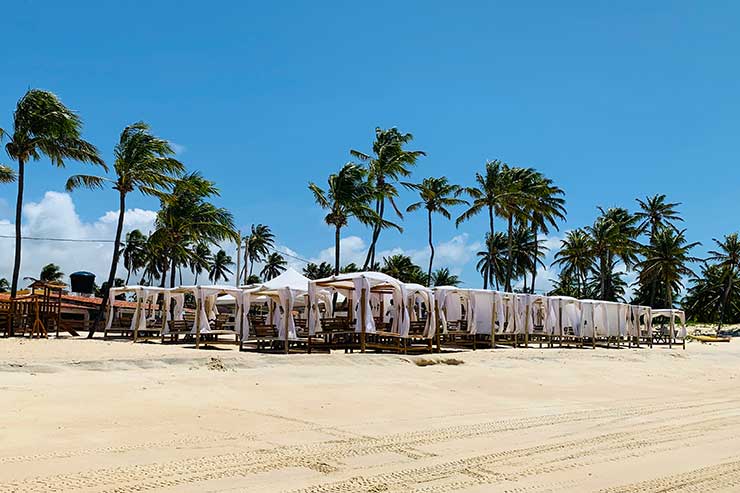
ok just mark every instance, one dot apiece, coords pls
pixel 592 260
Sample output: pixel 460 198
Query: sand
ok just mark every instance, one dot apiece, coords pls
pixel 98 416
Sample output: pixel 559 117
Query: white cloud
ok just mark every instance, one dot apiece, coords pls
pixel 178 148
pixel 55 216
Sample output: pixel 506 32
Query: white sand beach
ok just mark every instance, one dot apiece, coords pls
pixel 99 416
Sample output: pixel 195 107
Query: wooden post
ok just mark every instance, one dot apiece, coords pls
pixel 670 336
pixel 362 319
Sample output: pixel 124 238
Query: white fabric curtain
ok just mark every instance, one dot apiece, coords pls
pixel 500 311
pixel 111 310
pixel 287 300
pixel 362 284
pixel 440 297
pixel 314 315
pixel 552 326
pixel 430 328
pixel 404 324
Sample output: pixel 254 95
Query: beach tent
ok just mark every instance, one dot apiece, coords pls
pixel 416 295
pixel 286 291
pixel 672 315
pixel 359 286
pixel 206 312
pixel 144 313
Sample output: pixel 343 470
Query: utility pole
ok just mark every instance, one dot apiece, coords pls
pixel 238 258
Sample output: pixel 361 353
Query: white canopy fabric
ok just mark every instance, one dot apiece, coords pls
pixel 145 298
pixel 672 315
pixel 354 284
pixel 424 294
pixel 205 297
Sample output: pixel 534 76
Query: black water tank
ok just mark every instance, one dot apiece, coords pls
pixel 82 282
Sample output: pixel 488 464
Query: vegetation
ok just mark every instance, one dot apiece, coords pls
pixel 275 264
pixel 593 261
pixel 42 126
pixel 220 267
pixel 437 195
pixel 347 196
pixel 51 273
pixel 388 163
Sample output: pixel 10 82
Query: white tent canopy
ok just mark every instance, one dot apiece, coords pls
pixel 354 285
pixel 145 296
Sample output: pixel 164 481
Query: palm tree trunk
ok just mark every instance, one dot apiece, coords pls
pixel 18 241
pixel 113 264
pixel 370 258
pixel 509 254
pixel 337 237
pixel 725 295
pixel 486 275
pixel 490 248
pixel 602 276
pixel 534 255
pixel 669 294
pixel 173 272
pixel 431 249
pixel 128 275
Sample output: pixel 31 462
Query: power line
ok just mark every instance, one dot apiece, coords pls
pixel 85 240
pixel 69 240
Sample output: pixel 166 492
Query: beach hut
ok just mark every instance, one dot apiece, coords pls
pixel 667 333
pixel 640 326
pixel 208 325
pixel 360 329
pixel 145 323
pixel 284 293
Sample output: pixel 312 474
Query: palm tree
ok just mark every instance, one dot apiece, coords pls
pixel 318 271
pixel 575 258
pixel 202 260
pixel 404 269
pixel 437 194
pixel 51 273
pixel 727 258
pixel 706 293
pixel 220 267
pixel 389 163
pixel 142 161
pixel 612 237
pixel 42 125
pixel 527 253
pixel 275 264
pixel 257 245
pixel 7 175
pixel 134 252
pixel 186 218
pixel 492 263
pixel 546 208
pixel 656 214
pixel 346 196
pixel 499 192
pixel 442 277
pixel 665 261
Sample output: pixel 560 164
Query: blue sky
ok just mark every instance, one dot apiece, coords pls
pixel 613 100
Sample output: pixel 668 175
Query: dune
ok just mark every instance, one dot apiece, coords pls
pixel 98 416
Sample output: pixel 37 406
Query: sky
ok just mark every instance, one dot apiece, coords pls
pixel 612 100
